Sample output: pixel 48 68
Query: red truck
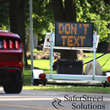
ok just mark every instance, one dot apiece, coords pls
pixel 11 63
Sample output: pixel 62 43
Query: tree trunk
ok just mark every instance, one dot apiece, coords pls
pixel 28 39
pixel 65 14
pixel 70 10
pixel 17 20
pixel 58 10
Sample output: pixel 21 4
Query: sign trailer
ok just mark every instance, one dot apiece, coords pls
pixel 74 36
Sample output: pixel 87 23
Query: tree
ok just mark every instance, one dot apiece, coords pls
pixel 65 12
pixel 83 11
pixel 17 20
pixel 4 14
pixel 42 17
pixel 96 12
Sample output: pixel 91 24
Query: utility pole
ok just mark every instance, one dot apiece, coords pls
pixel 31 35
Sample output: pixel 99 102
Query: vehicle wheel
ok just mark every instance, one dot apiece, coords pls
pixel 44 82
pixel 13 87
pixel 36 82
pixel 108 84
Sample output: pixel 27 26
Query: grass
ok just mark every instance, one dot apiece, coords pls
pixel 100 90
pixel 27 76
pixel 44 64
pixel 101 60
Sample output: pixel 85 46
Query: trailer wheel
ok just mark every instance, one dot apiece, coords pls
pixel 108 84
pixel 36 82
pixel 104 84
pixel 44 82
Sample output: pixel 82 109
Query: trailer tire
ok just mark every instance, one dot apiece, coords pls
pixel 36 82
pixel 44 82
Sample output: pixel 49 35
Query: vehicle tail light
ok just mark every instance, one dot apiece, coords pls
pixel 42 76
pixel 5 44
pixel 22 46
pixel 108 78
pixel 10 44
pixel 16 44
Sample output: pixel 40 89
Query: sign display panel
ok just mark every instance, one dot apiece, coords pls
pixel 73 34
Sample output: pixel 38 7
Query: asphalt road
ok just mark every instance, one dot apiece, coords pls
pixel 47 100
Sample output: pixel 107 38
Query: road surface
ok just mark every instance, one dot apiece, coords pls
pixel 48 100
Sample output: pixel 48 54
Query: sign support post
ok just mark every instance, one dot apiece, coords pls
pixel 52 36
pixel 94 45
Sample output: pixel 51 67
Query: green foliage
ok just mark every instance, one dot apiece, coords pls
pixel 87 11
pixel 42 17
pixel 4 16
pixel 35 51
pixel 51 27
pixel 96 12
pixel 3 27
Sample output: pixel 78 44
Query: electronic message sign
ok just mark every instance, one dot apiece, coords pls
pixel 73 34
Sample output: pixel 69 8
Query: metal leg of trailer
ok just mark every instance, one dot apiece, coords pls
pixel 51 57
pixel 94 45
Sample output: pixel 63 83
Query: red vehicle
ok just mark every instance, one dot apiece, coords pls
pixel 11 65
